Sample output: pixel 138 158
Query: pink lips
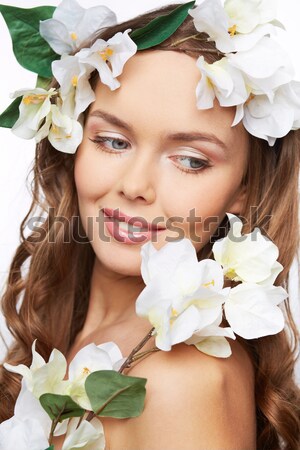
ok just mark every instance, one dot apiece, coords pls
pixel 129 237
pixel 134 221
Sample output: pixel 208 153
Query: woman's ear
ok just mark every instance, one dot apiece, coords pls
pixel 238 202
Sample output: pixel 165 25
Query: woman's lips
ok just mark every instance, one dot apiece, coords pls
pixel 120 230
pixel 122 217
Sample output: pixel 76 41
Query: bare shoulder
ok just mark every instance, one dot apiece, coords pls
pixel 195 401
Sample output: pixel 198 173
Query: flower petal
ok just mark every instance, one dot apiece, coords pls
pixel 250 312
pixel 88 435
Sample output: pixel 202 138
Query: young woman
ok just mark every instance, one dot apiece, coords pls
pixel 149 152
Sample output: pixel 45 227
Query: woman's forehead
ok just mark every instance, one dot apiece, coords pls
pixel 158 89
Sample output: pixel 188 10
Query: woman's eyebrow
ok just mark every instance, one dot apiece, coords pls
pixel 110 118
pixel 185 137
pixel 196 136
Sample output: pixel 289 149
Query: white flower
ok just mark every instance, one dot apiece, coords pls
pixel 250 257
pixel 237 26
pixel 88 436
pixel 116 51
pixel 34 107
pixel 252 310
pixel 64 133
pixel 272 119
pixel 265 67
pixel 42 377
pixel 72 25
pixel 22 434
pixel 181 294
pixel 90 359
pixel 30 426
pixel 220 80
pixel 212 340
pixel 75 89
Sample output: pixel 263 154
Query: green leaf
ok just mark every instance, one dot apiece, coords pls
pixel 60 406
pixel 50 448
pixel 9 117
pixel 160 28
pixel 43 82
pixel 30 49
pixel 115 395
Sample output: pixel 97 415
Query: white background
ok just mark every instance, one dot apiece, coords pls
pixel 16 155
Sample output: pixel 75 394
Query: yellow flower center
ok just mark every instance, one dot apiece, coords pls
pixel 232 30
pixel 105 54
pixel 174 312
pixel 231 273
pixel 34 99
pixel 54 129
pixel 210 283
pixel 74 36
pixel 251 97
pixel 74 81
pixel 86 371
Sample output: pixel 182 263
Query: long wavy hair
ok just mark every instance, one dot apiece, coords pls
pixel 47 298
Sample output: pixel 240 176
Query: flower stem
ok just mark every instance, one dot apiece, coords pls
pixel 129 359
pixel 133 356
pixel 53 426
pixel 142 354
pixel 194 36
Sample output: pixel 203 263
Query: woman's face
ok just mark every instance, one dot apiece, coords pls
pixel 149 153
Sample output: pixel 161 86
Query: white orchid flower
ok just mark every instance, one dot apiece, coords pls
pixel 42 377
pixel 116 51
pixel 34 107
pixel 90 359
pixel 212 340
pixel 64 133
pixel 22 434
pixel 30 425
pixel 271 120
pixel 219 80
pixel 181 294
pixel 252 310
pixel 72 25
pixel 265 67
pixel 75 89
pixel 250 257
pixel 238 25
pixel 88 435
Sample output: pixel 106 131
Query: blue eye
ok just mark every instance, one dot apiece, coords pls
pixel 196 165
pixel 116 143
pixel 110 144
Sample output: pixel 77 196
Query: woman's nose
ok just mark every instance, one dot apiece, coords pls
pixel 138 180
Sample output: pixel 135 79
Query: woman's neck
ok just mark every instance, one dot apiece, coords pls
pixel 112 298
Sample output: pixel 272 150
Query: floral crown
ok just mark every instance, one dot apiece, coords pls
pixel 254 73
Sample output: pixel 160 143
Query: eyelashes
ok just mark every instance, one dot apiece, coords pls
pixel 102 143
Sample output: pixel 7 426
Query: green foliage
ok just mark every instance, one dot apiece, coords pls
pixel 115 395
pixel 30 49
pixel 160 28
pixel 60 406
pixel 43 83
pixel 9 117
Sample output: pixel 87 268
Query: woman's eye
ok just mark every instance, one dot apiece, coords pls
pixel 110 143
pixel 192 165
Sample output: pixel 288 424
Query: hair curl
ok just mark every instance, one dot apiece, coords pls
pixel 49 301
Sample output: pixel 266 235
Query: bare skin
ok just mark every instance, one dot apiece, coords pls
pixel 194 401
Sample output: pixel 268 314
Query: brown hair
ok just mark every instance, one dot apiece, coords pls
pixel 54 290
